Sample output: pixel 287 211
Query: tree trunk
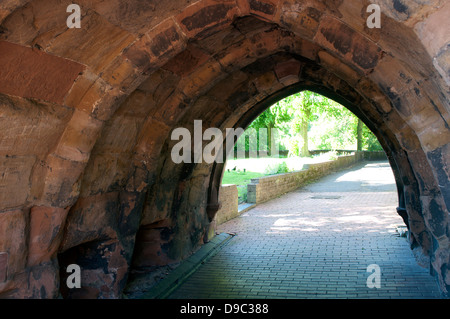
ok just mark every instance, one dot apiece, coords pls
pixel 304 133
pixel 359 135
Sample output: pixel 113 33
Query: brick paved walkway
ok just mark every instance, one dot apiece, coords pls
pixel 317 242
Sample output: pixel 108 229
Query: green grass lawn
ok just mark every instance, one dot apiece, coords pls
pixel 239 178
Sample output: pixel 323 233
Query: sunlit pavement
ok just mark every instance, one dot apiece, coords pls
pixel 317 242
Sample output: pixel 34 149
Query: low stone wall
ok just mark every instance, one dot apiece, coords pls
pixel 268 187
pixel 374 155
pixel 228 197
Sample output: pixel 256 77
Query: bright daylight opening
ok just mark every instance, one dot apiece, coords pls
pixel 304 128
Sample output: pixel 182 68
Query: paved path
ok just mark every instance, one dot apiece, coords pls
pixel 317 242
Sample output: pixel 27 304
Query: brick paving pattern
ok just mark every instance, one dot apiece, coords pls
pixel 317 242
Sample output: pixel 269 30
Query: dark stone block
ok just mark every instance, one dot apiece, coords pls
pixel 3 266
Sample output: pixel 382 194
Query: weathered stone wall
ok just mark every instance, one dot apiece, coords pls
pixel 228 197
pixel 86 116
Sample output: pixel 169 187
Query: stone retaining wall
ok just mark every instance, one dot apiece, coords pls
pixel 228 197
pixel 268 187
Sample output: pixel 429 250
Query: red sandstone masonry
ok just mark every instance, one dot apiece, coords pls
pixel 206 17
pixel 288 72
pixel 46 77
pixel 298 28
pixel 3 266
pixel 46 231
pixel 156 47
pixel 265 9
pixel 347 43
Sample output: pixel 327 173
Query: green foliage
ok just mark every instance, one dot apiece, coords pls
pixel 321 123
pixel 334 131
pixel 272 117
pixel 294 146
pixel 283 168
pixel 370 142
pixel 277 168
pixel 331 155
pixel 271 169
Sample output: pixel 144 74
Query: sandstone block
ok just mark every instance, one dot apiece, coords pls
pixel 442 64
pixel 237 55
pixel 105 172
pixel 265 9
pixel 302 19
pixel 156 47
pixel 46 231
pixel 309 50
pixel 203 78
pixel 94 96
pixel 373 92
pixel 95 45
pixel 440 159
pixel 136 16
pixel 48 77
pixel 267 83
pixel 91 218
pixel 3 266
pixel 340 69
pixel 79 137
pixel 13 247
pixel 150 242
pixel 119 134
pixel 30 127
pixel 55 182
pixel 121 73
pixel 348 44
pixel 36 22
pixel 153 136
pixel 187 61
pixel 434 30
pixel 288 72
pixel 206 17
pixel 222 39
pixel 15 180
pixel 223 89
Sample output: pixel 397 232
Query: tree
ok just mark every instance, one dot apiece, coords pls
pixel 307 118
pixel 370 142
pixel 307 106
pixel 359 140
pixel 270 119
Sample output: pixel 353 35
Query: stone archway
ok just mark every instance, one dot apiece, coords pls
pixel 87 115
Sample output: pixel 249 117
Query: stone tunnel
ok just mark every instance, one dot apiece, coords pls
pixel 86 116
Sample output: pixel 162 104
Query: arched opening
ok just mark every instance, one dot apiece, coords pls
pixel 300 129
pixel 86 145
pixel 381 136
